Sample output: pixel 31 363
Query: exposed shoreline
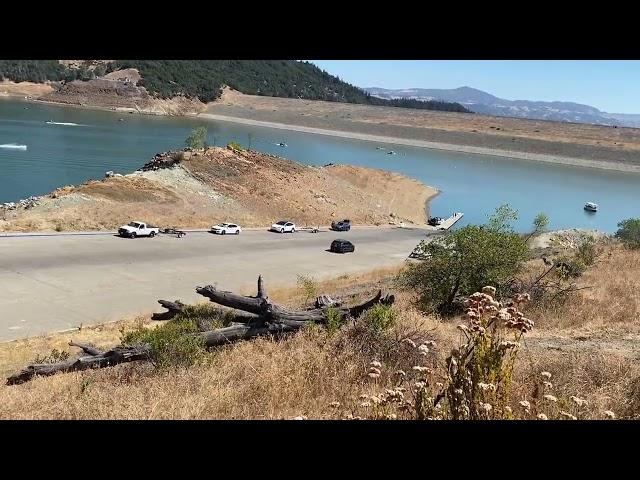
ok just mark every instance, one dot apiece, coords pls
pixel 576 162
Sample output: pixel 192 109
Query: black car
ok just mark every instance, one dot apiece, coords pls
pixel 434 221
pixel 342 246
pixel 341 226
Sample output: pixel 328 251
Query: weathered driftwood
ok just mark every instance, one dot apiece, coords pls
pixel 112 357
pixel 260 317
pixel 173 308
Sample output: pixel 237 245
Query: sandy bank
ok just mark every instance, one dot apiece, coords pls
pixel 559 160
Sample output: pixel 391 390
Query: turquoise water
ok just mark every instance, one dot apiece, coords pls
pixel 57 155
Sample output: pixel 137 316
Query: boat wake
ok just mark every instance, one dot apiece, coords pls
pixel 66 124
pixel 13 146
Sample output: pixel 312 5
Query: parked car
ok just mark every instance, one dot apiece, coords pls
pixel 283 226
pixel 341 226
pixel 224 228
pixel 138 229
pixel 434 221
pixel 342 246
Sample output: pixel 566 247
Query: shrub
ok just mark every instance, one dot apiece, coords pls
pixel 197 138
pixel 629 232
pixel 235 146
pixel 173 344
pixel 54 357
pixel 334 319
pixel 465 260
pixel 380 317
pixel 308 286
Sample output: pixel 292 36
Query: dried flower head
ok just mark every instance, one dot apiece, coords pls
pixel 546 375
pixel 364 396
pixel 550 398
pixel 400 373
pixel 390 416
pixel 334 404
pixel 486 387
pixel 508 409
pixel 542 416
pixel 491 291
pixel 548 384
pixel 376 364
pixel 486 407
pixel 420 369
pixel 373 375
pixel 524 404
pixel 365 404
pixel 580 402
pixel 409 342
pixel 375 370
pixel 609 414
pixel 423 349
pixel 568 415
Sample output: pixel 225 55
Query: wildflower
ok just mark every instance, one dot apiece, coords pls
pixel 375 364
pixel 423 349
pixel 546 375
pixel 409 342
pixel 542 416
pixel 420 385
pixel 548 384
pixel 486 386
pixel 486 407
pixel 524 404
pixel 550 398
pixel 568 415
pixel 609 414
pixel 580 402
pixel 375 370
pixel 400 373
pixel 334 404
pixel 489 291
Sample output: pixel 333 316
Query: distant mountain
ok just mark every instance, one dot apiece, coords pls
pixel 484 103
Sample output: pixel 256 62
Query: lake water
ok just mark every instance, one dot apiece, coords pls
pixel 36 157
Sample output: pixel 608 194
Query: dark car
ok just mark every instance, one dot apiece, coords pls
pixel 341 226
pixel 342 246
pixel 434 221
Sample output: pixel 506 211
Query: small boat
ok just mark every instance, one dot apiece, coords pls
pixel 391 153
pixel 121 120
pixel 282 144
pixel 379 148
pixel 591 207
pixel 49 121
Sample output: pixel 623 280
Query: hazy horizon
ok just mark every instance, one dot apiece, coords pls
pixel 611 86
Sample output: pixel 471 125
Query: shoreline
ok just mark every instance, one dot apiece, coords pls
pixel 534 157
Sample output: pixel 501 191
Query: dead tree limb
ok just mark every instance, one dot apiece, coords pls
pixel 260 317
pixel 88 349
pixel 173 308
pixel 107 359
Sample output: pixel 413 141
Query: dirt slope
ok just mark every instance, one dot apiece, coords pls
pixel 217 185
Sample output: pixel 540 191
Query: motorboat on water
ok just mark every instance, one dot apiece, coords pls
pixel 591 207
pixel 282 144
pixel 49 121
pixel 391 153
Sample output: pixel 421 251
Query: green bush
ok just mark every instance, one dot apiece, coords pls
pixel 380 317
pixel 234 146
pixel 334 319
pixel 197 138
pixel 629 232
pixel 308 286
pixel 173 344
pixel 465 260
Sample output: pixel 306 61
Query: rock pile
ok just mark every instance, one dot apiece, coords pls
pixel 163 160
pixel 26 203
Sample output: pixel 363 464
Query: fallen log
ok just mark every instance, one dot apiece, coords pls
pixel 173 308
pixel 107 359
pixel 261 318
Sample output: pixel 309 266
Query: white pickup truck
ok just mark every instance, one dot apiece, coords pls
pixel 138 229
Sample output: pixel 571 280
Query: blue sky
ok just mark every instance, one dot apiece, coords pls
pixel 610 85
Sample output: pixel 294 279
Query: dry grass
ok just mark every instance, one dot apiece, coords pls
pixel 303 374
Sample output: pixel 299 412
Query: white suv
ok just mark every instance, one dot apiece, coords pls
pixel 225 228
pixel 283 226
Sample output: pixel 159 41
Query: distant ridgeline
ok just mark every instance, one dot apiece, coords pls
pixel 204 79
